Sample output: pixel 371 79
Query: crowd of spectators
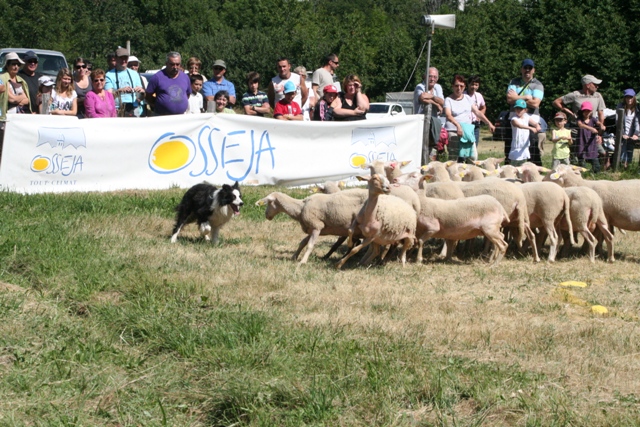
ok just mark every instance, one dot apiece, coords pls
pixel 456 120
pixel 178 88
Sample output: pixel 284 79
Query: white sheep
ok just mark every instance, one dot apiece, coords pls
pixel 491 164
pixel 329 187
pixel 547 206
pixel 587 215
pixel 462 219
pixel 437 170
pixel 514 203
pixel 390 169
pixel 530 172
pixel 473 173
pixel 383 220
pixel 508 172
pixel 620 199
pixel 318 215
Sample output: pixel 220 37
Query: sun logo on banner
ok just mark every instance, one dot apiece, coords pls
pixel 171 153
pixel 39 164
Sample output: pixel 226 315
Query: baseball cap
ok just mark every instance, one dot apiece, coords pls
pixel 289 87
pixel 528 63
pixel 30 56
pixel 134 58
pixel 330 89
pixel 220 63
pixel 590 79
pixel 122 51
pixel 46 81
pixel 560 115
pixel 586 105
pixel 12 56
pixel 629 92
pixel 520 104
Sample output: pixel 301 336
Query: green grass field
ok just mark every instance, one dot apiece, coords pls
pixel 103 322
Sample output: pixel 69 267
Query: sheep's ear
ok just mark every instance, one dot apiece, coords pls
pixel 424 167
pixel 449 163
pixel 392 165
pixel 485 172
pixel 500 160
pixel 542 169
pixel 366 165
pixel 519 169
pixel 463 166
pixel 478 162
pixel 404 163
pixel 342 185
pixel 555 176
pixel 363 178
pixel 316 189
pixel 427 177
pixel 261 202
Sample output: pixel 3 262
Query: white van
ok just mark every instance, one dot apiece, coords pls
pixel 49 61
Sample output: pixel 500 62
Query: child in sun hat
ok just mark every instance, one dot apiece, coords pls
pixel 287 108
pixel 561 139
pixel 522 124
pixel 588 138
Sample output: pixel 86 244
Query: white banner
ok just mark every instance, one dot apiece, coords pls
pixel 62 154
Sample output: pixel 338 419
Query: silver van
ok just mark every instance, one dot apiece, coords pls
pixel 49 61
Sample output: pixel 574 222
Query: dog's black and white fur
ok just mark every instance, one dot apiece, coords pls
pixel 210 207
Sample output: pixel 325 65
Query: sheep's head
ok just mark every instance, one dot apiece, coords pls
pixel 377 184
pixel 271 203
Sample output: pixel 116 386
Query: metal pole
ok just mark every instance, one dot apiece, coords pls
pixel 426 110
pixel 619 131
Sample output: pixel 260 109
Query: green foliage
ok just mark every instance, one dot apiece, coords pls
pixel 378 40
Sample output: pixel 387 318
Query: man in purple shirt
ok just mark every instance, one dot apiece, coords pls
pixel 171 87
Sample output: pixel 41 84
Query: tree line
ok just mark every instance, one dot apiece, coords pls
pixel 379 40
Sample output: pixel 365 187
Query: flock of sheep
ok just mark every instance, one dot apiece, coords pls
pixel 461 202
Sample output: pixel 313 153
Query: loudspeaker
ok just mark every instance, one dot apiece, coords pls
pixel 439 21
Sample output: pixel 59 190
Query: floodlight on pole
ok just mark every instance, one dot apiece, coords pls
pixel 431 22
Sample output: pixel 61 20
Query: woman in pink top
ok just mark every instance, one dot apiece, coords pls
pixel 99 102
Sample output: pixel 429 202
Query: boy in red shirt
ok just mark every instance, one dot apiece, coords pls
pixel 287 108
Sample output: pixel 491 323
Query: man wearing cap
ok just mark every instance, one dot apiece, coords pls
pixel 275 91
pixel 29 74
pixel 571 102
pixel 169 88
pixel 324 75
pixel 531 91
pixel 218 83
pixel 287 108
pixel 125 85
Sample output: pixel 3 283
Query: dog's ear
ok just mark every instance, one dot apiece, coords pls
pixel 236 185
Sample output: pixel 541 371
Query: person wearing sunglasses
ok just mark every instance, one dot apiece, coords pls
pixel 30 75
pixel 324 75
pixel 99 102
pixel 531 91
pixel 15 98
pixel 81 83
pixel 217 83
pixel 570 103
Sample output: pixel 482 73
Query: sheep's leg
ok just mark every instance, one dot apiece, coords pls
pixel 370 255
pixel 532 241
pixel 451 246
pixel 550 230
pixel 590 240
pixel 408 244
pixel 566 244
pixel 313 237
pixel 608 236
pixel 335 246
pixel 499 244
pixel 354 251
pixel 301 246
pixel 420 246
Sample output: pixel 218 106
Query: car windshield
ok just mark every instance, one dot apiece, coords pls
pixel 47 64
pixel 378 108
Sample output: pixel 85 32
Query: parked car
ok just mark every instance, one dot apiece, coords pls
pixel 49 61
pixel 384 109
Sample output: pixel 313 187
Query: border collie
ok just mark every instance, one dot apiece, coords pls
pixel 210 207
